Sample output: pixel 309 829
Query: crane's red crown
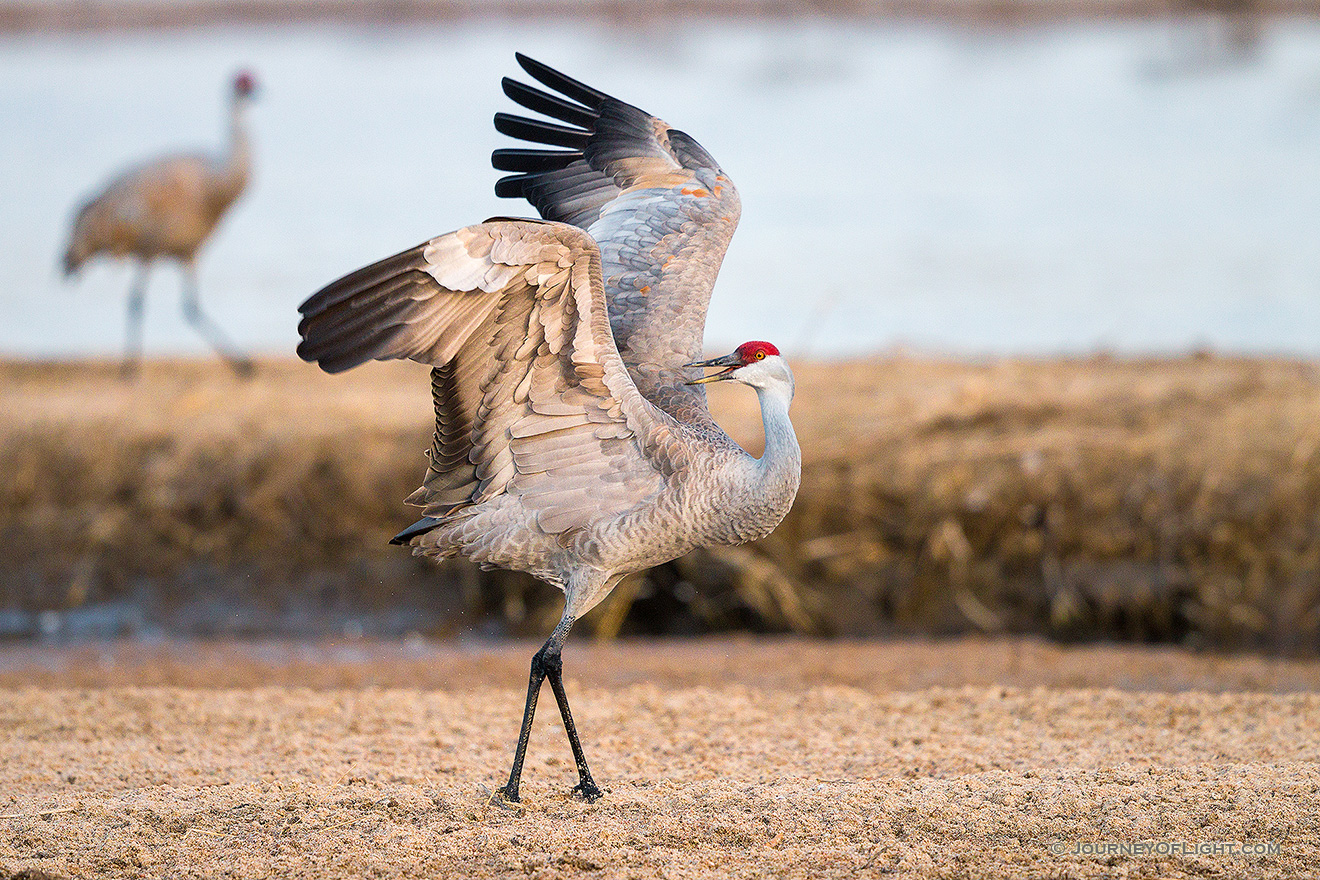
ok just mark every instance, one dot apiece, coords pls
pixel 751 352
pixel 245 83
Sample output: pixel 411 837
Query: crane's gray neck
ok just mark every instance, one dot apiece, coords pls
pixel 782 455
pixel 777 473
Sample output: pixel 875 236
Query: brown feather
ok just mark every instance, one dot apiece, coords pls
pixel 521 382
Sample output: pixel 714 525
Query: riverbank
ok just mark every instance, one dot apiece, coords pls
pixel 1170 500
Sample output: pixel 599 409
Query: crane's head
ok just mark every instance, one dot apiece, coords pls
pixel 757 364
pixel 245 84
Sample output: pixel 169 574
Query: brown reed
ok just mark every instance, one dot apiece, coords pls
pixel 1154 499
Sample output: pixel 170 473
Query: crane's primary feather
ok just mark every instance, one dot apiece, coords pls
pixel 660 208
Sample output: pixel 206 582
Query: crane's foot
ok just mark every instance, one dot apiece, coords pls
pixel 588 791
pixel 243 367
pixel 508 793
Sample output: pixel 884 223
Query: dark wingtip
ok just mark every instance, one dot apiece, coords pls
pixel 551 105
pixel 565 85
pixel 307 353
pixel 303 351
pixel 540 132
pixel 526 161
pixel 511 187
pixel 330 359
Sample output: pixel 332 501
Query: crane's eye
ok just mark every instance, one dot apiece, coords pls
pixel 760 355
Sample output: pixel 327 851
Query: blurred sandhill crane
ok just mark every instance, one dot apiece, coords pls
pixel 166 209
pixel 572 435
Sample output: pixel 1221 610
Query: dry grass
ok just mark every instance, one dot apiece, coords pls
pixel 1154 499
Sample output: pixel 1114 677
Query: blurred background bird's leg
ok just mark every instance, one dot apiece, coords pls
pixel 137 305
pixel 547 663
pixel 193 314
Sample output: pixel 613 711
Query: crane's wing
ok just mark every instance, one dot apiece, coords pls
pixel 531 397
pixel 659 206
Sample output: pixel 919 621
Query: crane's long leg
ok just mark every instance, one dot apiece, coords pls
pixel 137 302
pixel 586 786
pixel 192 312
pixel 547 663
pixel 510 791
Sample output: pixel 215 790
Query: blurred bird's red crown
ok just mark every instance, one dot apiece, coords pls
pixel 245 83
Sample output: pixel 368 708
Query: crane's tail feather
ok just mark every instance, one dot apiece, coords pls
pixel 421 527
pixel 79 251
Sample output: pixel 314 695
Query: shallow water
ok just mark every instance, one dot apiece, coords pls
pixel 1038 191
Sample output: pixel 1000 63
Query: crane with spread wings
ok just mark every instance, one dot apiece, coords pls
pixel 573 439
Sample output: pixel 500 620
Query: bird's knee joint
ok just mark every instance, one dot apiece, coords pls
pixel 546 662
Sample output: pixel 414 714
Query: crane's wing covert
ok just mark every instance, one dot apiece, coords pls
pixel 531 397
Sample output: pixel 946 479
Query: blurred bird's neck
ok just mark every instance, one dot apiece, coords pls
pixel 238 159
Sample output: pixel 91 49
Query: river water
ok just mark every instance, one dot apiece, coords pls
pixel 1037 191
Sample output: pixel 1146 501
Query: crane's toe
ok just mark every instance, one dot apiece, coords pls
pixel 243 367
pixel 508 794
pixel 588 791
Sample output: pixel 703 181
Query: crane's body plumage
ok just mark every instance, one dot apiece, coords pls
pixel 167 209
pixel 572 441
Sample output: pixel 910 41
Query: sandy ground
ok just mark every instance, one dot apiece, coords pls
pixel 720 758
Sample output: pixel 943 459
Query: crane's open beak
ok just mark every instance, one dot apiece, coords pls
pixel 730 362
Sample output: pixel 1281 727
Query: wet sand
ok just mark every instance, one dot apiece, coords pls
pixel 720 758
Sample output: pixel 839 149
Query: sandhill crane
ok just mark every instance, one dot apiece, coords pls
pixel 572 435
pixel 167 208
